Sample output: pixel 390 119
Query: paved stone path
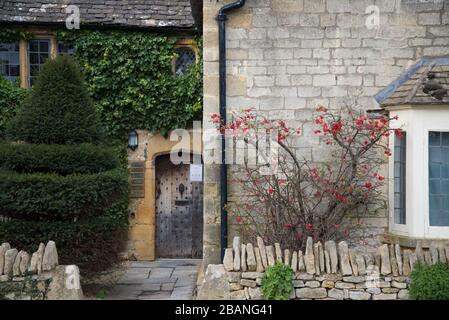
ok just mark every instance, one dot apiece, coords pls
pixel 164 279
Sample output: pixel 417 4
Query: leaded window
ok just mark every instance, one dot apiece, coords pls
pixel 438 178
pixel 10 61
pixel 186 57
pixel 64 48
pixel 400 140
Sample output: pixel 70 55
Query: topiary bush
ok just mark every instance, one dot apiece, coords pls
pixel 40 196
pixel 11 97
pixel 61 182
pixel 430 282
pixel 277 282
pixel 58 109
pixel 60 159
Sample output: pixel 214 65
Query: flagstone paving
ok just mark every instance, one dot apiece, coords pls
pixel 164 279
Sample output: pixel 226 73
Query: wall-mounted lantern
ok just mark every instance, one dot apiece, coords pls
pixel 133 140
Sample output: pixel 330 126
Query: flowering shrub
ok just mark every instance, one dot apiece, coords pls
pixel 286 198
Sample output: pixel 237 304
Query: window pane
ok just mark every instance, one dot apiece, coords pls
pixel 435 186
pixel 65 49
pixel 34 58
pixel 434 139
pixel 434 170
pixel 43 46
pixel 445 139
pixel 10 61
pixel 186 56
pixel 438 182
pixel 39 51
pixel 399 178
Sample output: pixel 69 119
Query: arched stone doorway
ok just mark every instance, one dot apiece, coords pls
pixel 143 221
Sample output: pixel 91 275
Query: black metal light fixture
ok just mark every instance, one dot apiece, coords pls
pixel 133 140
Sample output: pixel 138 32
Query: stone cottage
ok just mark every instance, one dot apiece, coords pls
pixel 286 57
pixel 21 59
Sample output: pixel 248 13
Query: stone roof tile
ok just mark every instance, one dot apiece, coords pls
pixel 143 13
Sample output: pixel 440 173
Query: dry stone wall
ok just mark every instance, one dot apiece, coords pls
pixel 38 276
pixel 330 271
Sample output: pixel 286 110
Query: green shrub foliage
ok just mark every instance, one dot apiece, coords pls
pixel 277 282
pixel 60 159
pixel 92 244
pixel 430 282
pixel 59 182
pixel 58 109
pixel 51 197
pixel 130 77
pixel 11 97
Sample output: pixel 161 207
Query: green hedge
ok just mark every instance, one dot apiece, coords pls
pixel 92 244
pixel 52 197
pixel 61 159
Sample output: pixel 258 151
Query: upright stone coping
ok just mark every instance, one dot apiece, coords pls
pixel 37 277
pixel 19 263
pixel 328 271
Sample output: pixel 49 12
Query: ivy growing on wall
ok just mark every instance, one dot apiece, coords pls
pixel 11 34
pixel 130 77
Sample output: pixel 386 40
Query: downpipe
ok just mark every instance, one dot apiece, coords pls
pixel 221 18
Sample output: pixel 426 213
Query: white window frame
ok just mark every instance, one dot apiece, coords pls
pixel 431 231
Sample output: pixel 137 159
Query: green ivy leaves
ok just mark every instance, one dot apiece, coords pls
pixel 130 77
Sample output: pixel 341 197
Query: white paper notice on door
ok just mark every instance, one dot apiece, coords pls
pixel 196 172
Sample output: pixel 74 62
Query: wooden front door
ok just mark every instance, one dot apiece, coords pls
pixel 179 211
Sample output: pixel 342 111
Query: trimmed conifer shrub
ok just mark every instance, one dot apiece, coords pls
pixel 58 181
pixel 58 110
pixel 11 97
pixel 60 159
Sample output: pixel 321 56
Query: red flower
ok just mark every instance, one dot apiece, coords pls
pixel 308 226
pixel 288 226
pixel 381 178
pixel 215 115
pixel 270 190
pixel 368 185
pixel 281 137
pixel 238 219
pixel 317 131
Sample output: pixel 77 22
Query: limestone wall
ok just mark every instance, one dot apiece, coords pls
pixel 324 271
pixel 286 57
pixel 37 277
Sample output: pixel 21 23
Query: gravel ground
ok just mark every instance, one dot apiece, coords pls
pixel 96 286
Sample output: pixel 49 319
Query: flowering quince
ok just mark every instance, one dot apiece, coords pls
pixel 314 183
